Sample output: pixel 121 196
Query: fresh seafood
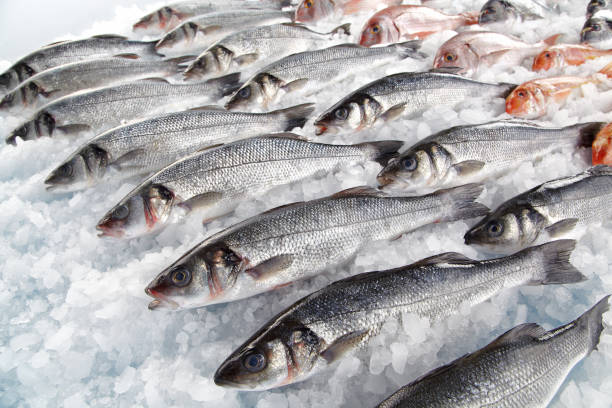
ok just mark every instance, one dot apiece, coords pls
pixel 602 146
pixel 561 55
pixel 555 207
pixel 523 367
pixel 406 93
pixel 105 108
pixel 321 328
pixel 470 153
pixel 260 44
pixel 598 28
pixel 499 10
pixel 595 5
pixel 214 181
pixel 313 10
pixel 315 68
pixel 300 240
pixel 410 22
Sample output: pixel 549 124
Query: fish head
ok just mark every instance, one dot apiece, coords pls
pixel 526 101
pixel 216 60
pixel 259 91
pixel 548 59
pixel 8 80
pixel 80 170
pixel 494 11
pixel 204 275
pixel 379 29
pixel 356 112
pixel 596 29
pixel 594 6
pixel 313 10
pixel 165 18
pixel 145 209
pixel 42 125
pixel 460 56
pixel 8 101
pixel 180 36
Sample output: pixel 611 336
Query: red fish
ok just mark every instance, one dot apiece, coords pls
pixel 566 54
pixel 602 146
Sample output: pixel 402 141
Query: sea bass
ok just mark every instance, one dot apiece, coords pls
pixel 314 10
pixel 300 240
pixel 562 55
pixel 213 182
pixel 255 45
pixel 523 367
pixel 499 10
pixel 410 22
pixel 554 207
pixel 323 327
pixel 598 28
pixel 104 108
pixel 315 68
pixel 407 93
pixel 602 146
pixel 595 5
pixel 471 50
pixel 147 146
pixel 469 153
pixel 66 52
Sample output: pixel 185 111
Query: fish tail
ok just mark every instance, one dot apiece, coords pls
pixel 592 321
pixel 410 49
pixel 461 201
pixel 344 29
pixel 607 70
pixel 554 258
pixel 383 151
pixel 295 116
pixel 470 17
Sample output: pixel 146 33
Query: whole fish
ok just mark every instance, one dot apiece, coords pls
pixel 258 44
pixel 602 146
pixel 65 52
pixel 200 32
pixel 555 207
pixel 147 146
pixel 595 5
pixel 300 240
pixel 314 10
pixel 471 50
pixel 562 55
pixel 405 93
pixel 315 68
pixel 410 22
pixel 321 328
pixel 499 10
pixel 215 181
pixel 104 108
pixel 66 79
pixel 472 153
pixel 532 98
pixel 523 367
pixel 598 28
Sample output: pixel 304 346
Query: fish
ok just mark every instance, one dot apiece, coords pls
pixel 602 150
pixel 473 153
pixel 314 68
pixel 554 208
pixel 500 10
pixel 201 32
pixel 410 22
pixel 407 93
pixel 524 367
pixel 595 5
pixel 146 146
pixel 562 55
pixel 65 52
pixel 104 108
pixel 532 98
pixel 258 44
pixel 315 10
pixel 598 28
pixel 472 50
pixel 320 329
pixel 300 240
pixel 60 81
pixel 214 181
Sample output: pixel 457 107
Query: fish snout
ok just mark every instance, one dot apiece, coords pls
pixel 110 227
pixel 320 129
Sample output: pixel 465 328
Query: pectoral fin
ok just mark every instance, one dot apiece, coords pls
pixel 246 59
pixel 129 157
pixel 344 344
pixel 295 85
pixel 561 227
pixel 73 128
pixel 200 201
pixel 468 167
pixel 270 267
pixel 393 112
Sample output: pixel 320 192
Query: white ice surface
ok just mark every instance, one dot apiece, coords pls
pixel 74 327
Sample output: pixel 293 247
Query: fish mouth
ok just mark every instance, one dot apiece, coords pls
pixel 141 25
pixel 160 300
pixel 384 180
pixel 468 239
pixel 320 129
pixel 109 230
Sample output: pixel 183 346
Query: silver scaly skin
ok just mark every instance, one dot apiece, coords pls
pixel 213 182
pixel 315 68
pixel 300 240
pixel 105 108
pixel 472 153
pixel 321 328
pixel 598 29
pixel 554 207
pixel 407 93
pixel 500 10
pixel 523 367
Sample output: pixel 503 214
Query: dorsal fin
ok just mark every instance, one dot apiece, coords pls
pixel 208 108
pixel 286 135
pixel 109 36
pixel 282 206
pixel 155 79
pixel 451 258
pixel 363 191
pixel 300 25
pixel 55 43
pixel 127 56
pixel 203 149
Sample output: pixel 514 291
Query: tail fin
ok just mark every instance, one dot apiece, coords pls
pixel 295 116
pixel 225 85
pixel 554 266
pixel 470 17
pixel 462 203
pixel 591 320
pixel 586 132
pixel 344 29
pixel 410 49
pixel 607 70
pixel 381 152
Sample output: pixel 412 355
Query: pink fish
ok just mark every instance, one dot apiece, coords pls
pixel 313 10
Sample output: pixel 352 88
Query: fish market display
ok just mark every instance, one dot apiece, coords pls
pixel 260 44
pixel 523 367
pixel 409 22
pixel 321 328
pixel 602 146
pixel 500 10
pixel 595 5
pixel 471 153
pixel 562 55
pixel 105 108
pixel 315 68
pixel 314 10
pixel 300 240
pixel 598 28
pixel 213 182
pixel 407 94
pixel 555 207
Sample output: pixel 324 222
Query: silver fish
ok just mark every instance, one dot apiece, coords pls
pixel 406 93
pixel 555 207
pixel 66 52
pixel 104 108
pixel 298 241
pixel 247 47
pixel 66 79
pixel 321 328
pixel 316 67
pixel 523 367
pixel 147 146
pixel 595 5
pixel 500 10
pixel 465 154
pixel 215 181
pixel 598 28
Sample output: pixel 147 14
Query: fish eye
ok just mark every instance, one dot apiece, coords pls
pixel 167 10
pixel 375 29
pixel 244 93
pixel 121 212
pixel 66 169
pixel 254 362
pixel 521 94
pixel 595 27
pixel 308 4
pixel 450 57
pixel 181 276
pixel 341 113
pixel 410 163
pixel 494 228
pixel 548 55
